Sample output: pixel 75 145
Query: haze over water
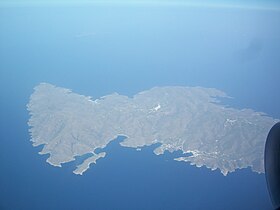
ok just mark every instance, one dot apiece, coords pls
pixel 100 49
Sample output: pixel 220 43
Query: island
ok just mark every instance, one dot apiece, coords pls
pixel 187 119
pixel 85 165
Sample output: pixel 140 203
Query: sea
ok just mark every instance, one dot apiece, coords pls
pixel 99 49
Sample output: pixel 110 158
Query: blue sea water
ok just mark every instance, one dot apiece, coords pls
pixel 98 50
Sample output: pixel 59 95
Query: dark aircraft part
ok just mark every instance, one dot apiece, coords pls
pixel 272 164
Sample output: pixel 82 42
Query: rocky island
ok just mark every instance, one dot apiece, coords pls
pixel 189 119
